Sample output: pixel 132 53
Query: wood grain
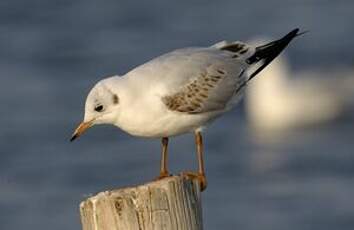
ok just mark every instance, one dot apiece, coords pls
pixel 173 203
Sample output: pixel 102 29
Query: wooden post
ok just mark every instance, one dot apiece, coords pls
pixel 173 203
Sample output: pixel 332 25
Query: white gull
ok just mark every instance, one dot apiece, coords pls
pixel 179 92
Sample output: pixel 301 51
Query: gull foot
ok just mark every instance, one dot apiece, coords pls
pixel 200 177
pixel 163 175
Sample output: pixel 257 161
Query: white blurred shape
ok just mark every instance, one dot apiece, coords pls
pixel 277 100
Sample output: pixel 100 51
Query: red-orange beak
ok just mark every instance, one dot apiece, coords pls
pixel 80 129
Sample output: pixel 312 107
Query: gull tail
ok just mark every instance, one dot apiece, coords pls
pixel 268 52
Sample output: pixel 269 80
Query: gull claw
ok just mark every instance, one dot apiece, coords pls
pixel 200 177
pixel 163 175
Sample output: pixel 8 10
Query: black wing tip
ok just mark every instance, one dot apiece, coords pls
pixel 301 33
pixel 274 48
pixel 295 33
pixel 292 34
pixel 271 50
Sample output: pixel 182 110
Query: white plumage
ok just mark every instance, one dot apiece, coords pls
pixel 141 110
pixel 181 91
pixel 178 92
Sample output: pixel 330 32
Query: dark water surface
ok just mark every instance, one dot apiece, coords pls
pixel 52 52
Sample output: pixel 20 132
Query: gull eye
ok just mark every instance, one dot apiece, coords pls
pixel 99 108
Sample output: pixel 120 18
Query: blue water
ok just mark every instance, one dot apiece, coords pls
pixel 52 52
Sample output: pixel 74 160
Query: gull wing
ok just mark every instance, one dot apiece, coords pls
pixel 220 76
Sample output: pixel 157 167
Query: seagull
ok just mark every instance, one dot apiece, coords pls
pixel 179 92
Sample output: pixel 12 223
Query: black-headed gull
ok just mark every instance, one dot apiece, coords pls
pixel 179 92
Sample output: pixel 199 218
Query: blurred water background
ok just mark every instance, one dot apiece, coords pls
pixel 51 54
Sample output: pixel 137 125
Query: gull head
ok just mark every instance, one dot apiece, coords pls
pixel 101 107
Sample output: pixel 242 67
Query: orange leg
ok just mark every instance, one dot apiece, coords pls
pixel 163 166
pixel 201 173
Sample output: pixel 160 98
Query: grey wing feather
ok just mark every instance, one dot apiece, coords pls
pixel 210 91
pixel 222 74
pixel 218 81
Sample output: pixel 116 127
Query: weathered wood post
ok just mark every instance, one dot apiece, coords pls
pixel 173 203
